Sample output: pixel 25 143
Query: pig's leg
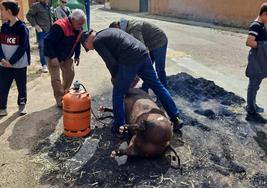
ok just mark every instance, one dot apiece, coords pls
pixel 130 150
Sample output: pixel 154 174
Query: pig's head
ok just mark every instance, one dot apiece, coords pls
pixel 158 127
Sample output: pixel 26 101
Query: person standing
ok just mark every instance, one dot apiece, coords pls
pixel 257 67
pixel 62 11
pixel 39 16
pixel 14 56
pixel 60 44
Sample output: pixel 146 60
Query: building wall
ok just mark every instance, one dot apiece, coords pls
pixel 128 5
pixel 31 2
pixel 228 12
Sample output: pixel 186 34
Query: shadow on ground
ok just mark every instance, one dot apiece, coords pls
pixel 220 150
pixel 34 74
pixel 32 129
pixel 7 122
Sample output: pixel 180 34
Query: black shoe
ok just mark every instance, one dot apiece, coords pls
pixel 256 118
pixel 259 109
pixel 177 124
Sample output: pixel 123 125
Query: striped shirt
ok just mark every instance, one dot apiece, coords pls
pixel 258 30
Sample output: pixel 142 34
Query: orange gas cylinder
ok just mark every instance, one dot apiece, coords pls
pixel 77 112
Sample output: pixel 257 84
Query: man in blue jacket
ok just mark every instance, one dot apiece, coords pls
pixel 126 57
pixel 61 43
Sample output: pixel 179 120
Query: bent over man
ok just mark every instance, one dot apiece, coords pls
pixel 126 57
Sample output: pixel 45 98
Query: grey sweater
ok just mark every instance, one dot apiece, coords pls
pixel 39 14
pixel 149 34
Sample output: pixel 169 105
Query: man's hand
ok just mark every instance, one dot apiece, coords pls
pixel 77 62
pixel 54 62
pixel 6 63
pixel 251 41
pixel 38 28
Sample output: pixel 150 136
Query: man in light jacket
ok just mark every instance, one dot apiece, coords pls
pixel 62 11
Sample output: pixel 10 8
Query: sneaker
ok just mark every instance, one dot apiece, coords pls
pixel 22 109
pixel 256 118
pixel 44 69
pixel 177 124
pixel 3 112
pixel 259 109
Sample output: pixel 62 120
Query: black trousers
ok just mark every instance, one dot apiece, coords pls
pixel 7 75
pixel 253 87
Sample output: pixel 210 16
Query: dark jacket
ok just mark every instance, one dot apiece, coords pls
pixel 39 14
pixel 15 45
pixel 60 40
pixel 257 61
pixel 118 47
pixel 149 34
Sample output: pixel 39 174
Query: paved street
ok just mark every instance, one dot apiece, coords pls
pixel 214 54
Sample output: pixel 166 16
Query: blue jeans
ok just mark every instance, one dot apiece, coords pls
pixel 124 79
pixel 253 87
pixel 7 77
pixel 40 40
pixel 159 57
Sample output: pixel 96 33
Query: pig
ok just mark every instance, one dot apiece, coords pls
pixel 148 125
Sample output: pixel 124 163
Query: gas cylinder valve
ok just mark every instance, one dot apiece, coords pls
pixel 76 86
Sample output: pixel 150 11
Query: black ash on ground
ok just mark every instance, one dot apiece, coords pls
pixel 221 149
